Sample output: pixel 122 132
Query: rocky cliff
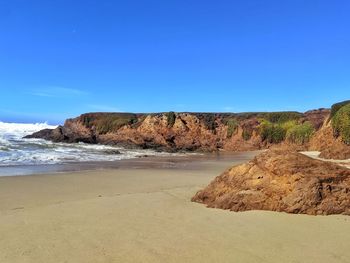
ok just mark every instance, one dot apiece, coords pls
pixel 330 146
pixel 281 181
pixel 178 131
pixel 210 131
pixel 333 138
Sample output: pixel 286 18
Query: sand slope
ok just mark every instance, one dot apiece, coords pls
pixel 145 215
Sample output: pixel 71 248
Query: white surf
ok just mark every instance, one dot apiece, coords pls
pixel 15 150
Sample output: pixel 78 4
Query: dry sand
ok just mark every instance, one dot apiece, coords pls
pixel 145 215
pixel 316 154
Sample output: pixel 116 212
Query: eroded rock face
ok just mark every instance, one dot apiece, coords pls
pixel 70 132
pixel 317 117
pixel 329 146
pixel 182 132
pixel 189 132
pixel 281 181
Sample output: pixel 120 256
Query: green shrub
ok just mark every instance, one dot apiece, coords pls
pixel 272 133
pixel 209 121
pixel 289 124
pixel 112 124
pixel 108 122
pixel 86 120
pixel 300 133
pixel 232 126
pixel 171 117
pixel 341 123
pixel 336 107
pixel 247 134
pixel 282 117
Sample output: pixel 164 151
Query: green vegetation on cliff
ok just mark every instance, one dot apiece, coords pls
pixel 171 117
pixel 272 133
pixel 247 133
pixel 272 126
pixel 232 127
pixel 337 106
pixel 291 130
pixel 108 122
pixel 341 123
pixel 300 133
pixel 282 117
pixel 209 121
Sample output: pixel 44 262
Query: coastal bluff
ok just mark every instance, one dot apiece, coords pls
pixel 323 130
pixel 281 181
pixel 186 131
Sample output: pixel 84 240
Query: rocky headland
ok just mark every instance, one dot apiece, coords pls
pixel 324 130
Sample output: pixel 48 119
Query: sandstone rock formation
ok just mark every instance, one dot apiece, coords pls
pixel 312 130
pixel 70 132
pixel 331 147
pixel 316 117
pixel 281 181
pixel 175 131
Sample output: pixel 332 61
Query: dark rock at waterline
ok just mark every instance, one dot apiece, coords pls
pixel 64 134
pixel 143 156
pixel 43 134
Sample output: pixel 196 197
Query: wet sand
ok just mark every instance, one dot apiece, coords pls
pixel 141 212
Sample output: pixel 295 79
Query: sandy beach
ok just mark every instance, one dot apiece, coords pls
pixel 142 213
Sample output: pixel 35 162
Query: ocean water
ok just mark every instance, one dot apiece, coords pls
pixel 16 151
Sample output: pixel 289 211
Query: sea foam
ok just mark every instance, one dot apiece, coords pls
pixel 15 150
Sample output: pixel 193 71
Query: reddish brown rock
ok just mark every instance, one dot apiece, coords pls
pixel 338 151
pixel 175 131
pixel 316 117
pixel 329 146
pixel 281 181
pixel 190 131
pixel 70 132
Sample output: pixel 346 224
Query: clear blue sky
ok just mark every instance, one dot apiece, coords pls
pixel 62 58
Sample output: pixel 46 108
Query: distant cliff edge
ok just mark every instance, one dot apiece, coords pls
pixel 324 130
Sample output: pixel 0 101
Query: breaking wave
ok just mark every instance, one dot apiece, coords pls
pixel 15 150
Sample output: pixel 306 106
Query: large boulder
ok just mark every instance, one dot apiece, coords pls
pixel 284 181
